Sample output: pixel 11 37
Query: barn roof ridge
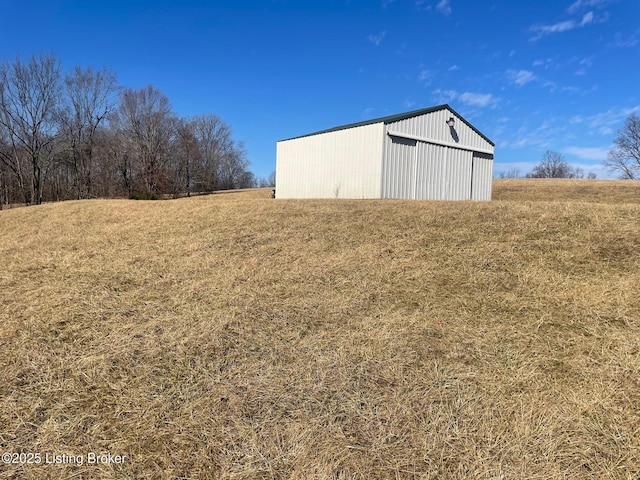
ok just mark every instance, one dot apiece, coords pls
pixel 395 118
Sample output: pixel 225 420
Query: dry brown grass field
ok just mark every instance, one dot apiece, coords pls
pixel 576 190
pixel 237 337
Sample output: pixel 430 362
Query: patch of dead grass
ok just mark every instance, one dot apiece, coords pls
pixel 234 336
pixel 562 190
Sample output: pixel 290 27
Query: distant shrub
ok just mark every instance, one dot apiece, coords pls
pixel 143 196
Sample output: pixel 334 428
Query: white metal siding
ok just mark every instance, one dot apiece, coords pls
pixel 423 171
pixel 399 168
pixel 482 176
pixel 448 162
pixel 433 126
pixel 457 180
pixel 339 164
pixel 432 169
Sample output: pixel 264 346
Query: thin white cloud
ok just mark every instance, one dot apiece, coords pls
pixel 420 5
pixel 545 63
pixel 444 7
pixel 476 99
pixel 467 98
pixel 425 76
pixel 445 96
pixel 572 89
pixel 542 30
pixel 539 131
pixel 605 123
pixel 377 39
pixel 520 77
pixel 587 19
pixel 622 41
pixel 581 4
pixel 587 153
pixel 386 3
pixel 583 65
pixel 540 137
pixel 454 68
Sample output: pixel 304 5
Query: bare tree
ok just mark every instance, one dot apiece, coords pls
pixel 213 159
pixel 264 182
pixel 232 168
pixel 145 123
pixel 186 156
pixel 553 165
pixel 513 173
pixel 29 93
pixel 215 144
pixel 4 188
pixel 13 162
pixel 624 157
pixel 113 164
pixel 91 98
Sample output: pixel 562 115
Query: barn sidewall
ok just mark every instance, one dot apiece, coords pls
pixel 338 164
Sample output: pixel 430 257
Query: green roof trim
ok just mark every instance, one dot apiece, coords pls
pixel 396 118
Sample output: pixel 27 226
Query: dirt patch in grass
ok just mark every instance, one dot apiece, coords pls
pixel 235 336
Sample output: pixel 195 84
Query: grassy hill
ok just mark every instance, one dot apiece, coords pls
pixel 234 336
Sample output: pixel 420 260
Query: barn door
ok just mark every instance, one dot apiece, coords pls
pixel 482 176
pixel 400 169
pixel 442 173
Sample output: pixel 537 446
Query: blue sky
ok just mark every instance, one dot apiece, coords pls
pixel 531 75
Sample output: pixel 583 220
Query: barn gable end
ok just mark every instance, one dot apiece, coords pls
pixel 433 128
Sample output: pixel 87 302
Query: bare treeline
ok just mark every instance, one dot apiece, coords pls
pixel 80 135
